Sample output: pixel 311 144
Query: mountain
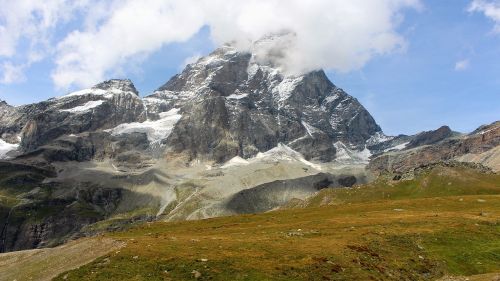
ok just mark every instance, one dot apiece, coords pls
pixel 240 108
pixel 231 134
pixel 481 146
pixel 229 105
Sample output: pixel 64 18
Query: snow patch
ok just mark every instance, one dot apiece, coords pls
pixel 151 100
pixel 211 61
pixel 281 152
pixel 237 96
pixel 310 129
pixel 6 147
pixel 236 161
pixel 98 92
pixel 332 98
pixel 285 88
pixel 284 152
pixel 377 138
pixel 397 147
pixel 86 107
pixel 252 70
pixel 156 130
pixel 486 131
pixel 165 96
pixel 344 154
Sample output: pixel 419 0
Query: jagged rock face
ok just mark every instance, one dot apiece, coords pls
pixel 102 107
pixel 452 147
pixel 233 106
pixel 47 214
pixel 223 106
pixel 430 137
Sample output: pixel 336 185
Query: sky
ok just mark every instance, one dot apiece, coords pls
pixel 414 64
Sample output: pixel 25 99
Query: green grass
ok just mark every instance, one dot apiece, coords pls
pixel 122 220
pixel 439 182
pixel 470 252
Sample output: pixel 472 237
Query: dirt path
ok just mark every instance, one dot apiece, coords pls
pixel 45 264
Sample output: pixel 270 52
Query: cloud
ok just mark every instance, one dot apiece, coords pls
pixel 490 9
pixel 111 35
pixel 34 22
pixel 11 73
pixel 332 34
pixel 462 65
pixel 189 60
pixel 134 28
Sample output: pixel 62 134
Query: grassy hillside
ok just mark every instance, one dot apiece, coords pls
pixel 445 222
pixel 438 181
pixel 45 264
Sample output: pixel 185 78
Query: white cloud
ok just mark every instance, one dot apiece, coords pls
pixel 134 28
pixel 333 34
pixel 11 73
pixel 34 21
pixel 189 60
pixel 462 65
pixel 490 9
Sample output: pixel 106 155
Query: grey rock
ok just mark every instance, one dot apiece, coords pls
pixel 437 146
pixel 233 106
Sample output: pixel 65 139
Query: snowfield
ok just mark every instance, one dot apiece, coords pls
pixel 156 130
pixel 5 148
pixel 280 152
pixel 84 108
pixel 344 154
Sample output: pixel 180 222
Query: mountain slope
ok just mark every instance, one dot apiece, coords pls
pixel 480 146
pixel 405 237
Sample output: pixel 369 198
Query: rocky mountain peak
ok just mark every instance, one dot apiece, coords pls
pixel 124 85
pixel 430 137
pixel 240 105
pixel 486 128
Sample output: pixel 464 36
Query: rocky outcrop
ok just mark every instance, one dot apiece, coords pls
pixel 430 137
pixel 478 142
pixel 46 213
pixel 275 194
pixel 102 107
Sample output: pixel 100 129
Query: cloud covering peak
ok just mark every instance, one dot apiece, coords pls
pixel 330 34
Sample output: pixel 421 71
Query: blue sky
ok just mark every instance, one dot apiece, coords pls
pixel 446 72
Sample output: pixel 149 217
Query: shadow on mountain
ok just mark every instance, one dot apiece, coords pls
pixel 268 196
pixel 36 212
